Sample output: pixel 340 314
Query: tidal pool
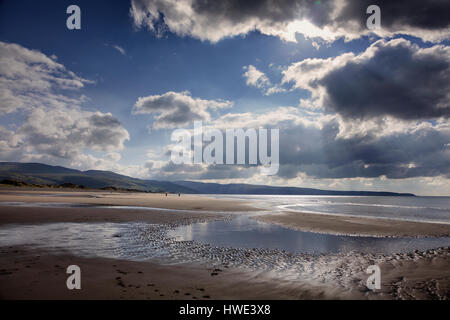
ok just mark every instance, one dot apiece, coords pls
pixel 244 232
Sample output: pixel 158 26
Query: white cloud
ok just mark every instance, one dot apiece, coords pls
pixel 55 129
pixel 120 49
pixel 254 77
pixel 28 79
pixel 258 79
pixel 175 109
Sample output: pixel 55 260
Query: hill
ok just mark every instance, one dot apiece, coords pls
pixel 42 174
pixel 217 188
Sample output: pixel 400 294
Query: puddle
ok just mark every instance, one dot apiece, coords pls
pixel 244 232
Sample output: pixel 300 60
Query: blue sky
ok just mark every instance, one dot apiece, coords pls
pixel 121 59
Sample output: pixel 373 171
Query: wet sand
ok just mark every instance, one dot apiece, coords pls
pixel 36 274
pixel 423 275
pixel 34 215
pixel 340 225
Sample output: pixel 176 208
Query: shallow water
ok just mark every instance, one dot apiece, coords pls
pixel 108 240
pixel 428 209
pixel 244 232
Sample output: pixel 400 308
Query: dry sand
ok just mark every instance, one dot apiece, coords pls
pixel 345 225
pixel 200 207
pixel 155 200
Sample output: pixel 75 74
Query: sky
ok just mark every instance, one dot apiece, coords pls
pixel 356 108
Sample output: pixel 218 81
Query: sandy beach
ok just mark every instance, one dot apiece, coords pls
pixel 155 200
pixel 29 274
pixel 345 225
pixel 120 279
pixel 36 273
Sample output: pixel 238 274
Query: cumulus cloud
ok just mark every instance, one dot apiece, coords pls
pixel 167 170
pixel 55 129
pixel 62 136
pixel 258 79
pixel 326 19
pixel 255 78
pixel 64 133
pixel 28 79
pixel 417 152
pixel 318 146
pixel 395 78
pixel 174 109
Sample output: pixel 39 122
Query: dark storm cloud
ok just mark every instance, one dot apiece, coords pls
pixel 269 10
pixel 391 78
pixel 215 20
pixel 399 80
pixel 428 15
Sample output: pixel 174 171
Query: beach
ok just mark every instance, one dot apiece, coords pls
pixel 31 271
pixel 39 275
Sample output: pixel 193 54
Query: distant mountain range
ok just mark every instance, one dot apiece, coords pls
pixel 42 174
pixel 233 188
